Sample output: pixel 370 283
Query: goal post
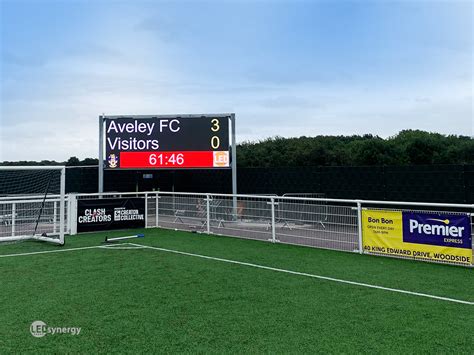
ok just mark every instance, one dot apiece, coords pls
pixel 32 203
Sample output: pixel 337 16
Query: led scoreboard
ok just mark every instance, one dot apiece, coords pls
pixel 166 142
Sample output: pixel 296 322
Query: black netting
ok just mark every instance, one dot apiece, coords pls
pixel 29 182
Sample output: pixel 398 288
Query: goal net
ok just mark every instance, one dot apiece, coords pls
pixel 32 203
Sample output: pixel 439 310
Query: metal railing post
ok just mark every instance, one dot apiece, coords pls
pixel 146 210
pixel 73 214
pixel 359 226
pixel 272 204
pixel 68 214
pixel 156 210
pixel 208 214
pixel 55 205
pixel 13 218
pixel 273 221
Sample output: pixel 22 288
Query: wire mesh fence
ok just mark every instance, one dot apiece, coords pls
pixel 317 223
pixel 301 219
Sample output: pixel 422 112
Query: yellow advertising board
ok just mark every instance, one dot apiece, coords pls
pixel 419 235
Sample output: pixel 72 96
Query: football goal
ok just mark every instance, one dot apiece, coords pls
pixel 32 203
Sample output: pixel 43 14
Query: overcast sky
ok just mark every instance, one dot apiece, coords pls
pixel 285 68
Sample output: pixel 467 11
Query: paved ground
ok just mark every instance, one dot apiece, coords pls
pixel 320 235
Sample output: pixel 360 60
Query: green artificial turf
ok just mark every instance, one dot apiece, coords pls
pixel 146 300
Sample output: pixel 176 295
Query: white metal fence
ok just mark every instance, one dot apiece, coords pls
pixel 20 216
pixel 301 219
pixel 310 221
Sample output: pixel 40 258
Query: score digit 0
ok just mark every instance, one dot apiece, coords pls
pixel 215 141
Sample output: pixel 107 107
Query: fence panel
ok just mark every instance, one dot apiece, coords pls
pixel 317 223
pixel 301 219
pixel 179 211
pixel 242 216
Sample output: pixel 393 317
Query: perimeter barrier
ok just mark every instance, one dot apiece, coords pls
pixel 432 232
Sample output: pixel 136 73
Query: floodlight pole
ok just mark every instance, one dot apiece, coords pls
pixel 101 154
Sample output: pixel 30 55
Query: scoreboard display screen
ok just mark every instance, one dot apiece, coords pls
pixel 166 143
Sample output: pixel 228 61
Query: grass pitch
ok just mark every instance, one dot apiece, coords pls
pixel 146 300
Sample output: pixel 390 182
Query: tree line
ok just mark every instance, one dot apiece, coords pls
pixel 72 161
pixel 409 147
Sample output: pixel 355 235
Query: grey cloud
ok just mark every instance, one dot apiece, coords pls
pixel 24 60
pixel 290 101
pixel 164 29
pixel 423 100
pixel 297 75
pixel 87 49
pixel 191 88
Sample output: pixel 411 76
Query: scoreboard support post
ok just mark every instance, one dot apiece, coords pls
pixel 101 154
pixel 233 166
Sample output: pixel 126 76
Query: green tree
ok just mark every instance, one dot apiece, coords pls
pixel 73 161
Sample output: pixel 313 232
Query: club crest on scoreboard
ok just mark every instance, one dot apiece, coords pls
pixel 220 159
pixel 113 161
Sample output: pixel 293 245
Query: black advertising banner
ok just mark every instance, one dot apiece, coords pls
pixel 110 213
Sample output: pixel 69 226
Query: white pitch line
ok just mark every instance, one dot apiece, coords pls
pixel 252 265
pixel 447 299
pixel 122 247
pixel 48 251
pixel 71 249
